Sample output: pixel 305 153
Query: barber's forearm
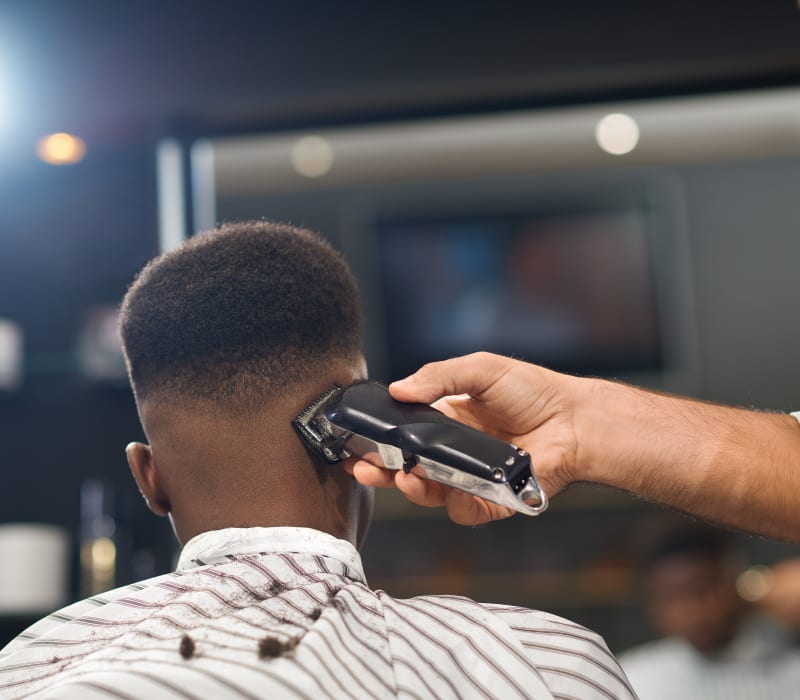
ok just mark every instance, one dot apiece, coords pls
pixel 730 465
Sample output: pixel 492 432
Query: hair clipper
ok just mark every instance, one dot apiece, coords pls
pixel 363 420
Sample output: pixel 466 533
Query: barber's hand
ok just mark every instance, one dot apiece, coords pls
pixel 520 403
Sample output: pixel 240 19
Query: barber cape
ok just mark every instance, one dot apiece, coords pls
pixel 286 613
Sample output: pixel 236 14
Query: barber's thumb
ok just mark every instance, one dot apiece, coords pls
pixel 424 386
pixel 412 388
pixel 435 380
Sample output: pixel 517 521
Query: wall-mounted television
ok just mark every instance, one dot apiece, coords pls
pixel 572 289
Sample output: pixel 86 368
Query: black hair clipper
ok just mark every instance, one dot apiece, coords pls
pixel 363 420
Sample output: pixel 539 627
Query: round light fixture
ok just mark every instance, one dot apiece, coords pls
pixel 61 149
pixel 617 134
pixel 312 156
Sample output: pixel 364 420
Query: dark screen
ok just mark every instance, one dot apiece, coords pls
pixel 570 290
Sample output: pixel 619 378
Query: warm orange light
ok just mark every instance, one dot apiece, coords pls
pixel 61 149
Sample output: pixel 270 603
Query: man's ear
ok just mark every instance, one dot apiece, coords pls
pixel 140 460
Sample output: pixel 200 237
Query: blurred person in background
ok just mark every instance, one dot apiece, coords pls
pixel 227 339
pixel 714 646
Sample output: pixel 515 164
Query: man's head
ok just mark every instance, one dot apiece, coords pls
pixel 227 338
pixel 691 586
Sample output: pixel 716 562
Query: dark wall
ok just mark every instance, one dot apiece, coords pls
pixel 71 238
pixel 744 221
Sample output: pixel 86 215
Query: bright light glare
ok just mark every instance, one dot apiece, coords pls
pixel 11 354
pixel 6 93
pixel 617 134
pixel 3 97
pixel 61 149
pixel 312 156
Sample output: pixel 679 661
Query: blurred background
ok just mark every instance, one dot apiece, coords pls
pixel 604 188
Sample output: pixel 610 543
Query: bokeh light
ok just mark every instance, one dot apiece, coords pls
pixel 61 149
pixel 312 156
pixel 617 134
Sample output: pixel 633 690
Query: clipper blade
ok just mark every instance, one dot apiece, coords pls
pixel 315 429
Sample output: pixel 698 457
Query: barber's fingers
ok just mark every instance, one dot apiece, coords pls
pixel 422 492
pixel 469 374
pixel 462 508
pixel 418 490
pixel 369 475
pixel 549 459
pixel 465 509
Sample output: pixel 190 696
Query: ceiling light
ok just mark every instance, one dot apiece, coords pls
pixel 617 134
pixel 312 156
pixel 61 149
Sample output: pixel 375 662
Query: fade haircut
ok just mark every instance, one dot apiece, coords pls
pixel 234 314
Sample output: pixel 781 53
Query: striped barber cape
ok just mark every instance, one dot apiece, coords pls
pixel 286 613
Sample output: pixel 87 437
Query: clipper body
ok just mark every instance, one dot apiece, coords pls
pixel 364 420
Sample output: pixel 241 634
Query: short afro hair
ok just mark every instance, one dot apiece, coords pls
pixel 238 312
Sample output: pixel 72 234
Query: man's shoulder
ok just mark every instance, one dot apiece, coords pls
pixel 86 610
pixel 534 630
pixel 517 617
pixel 564 655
